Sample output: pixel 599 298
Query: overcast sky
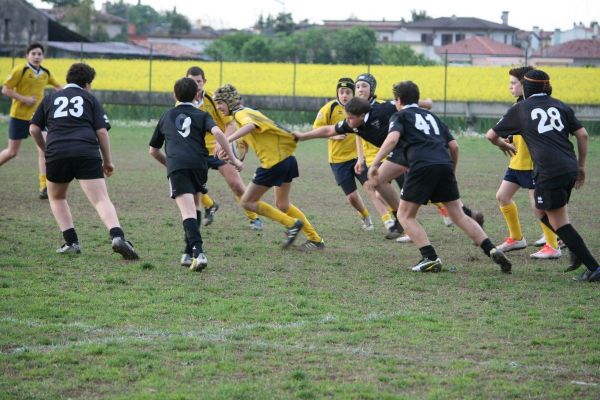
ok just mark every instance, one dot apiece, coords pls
pixel 548 15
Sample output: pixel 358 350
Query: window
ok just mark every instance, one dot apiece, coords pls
pixel 446 38
pixel 505 39
pixel 459 37
pixel 427 38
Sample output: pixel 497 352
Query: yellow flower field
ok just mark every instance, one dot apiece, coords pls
pixel 573 85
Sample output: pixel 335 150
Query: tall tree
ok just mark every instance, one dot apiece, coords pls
pixel 418 15
pixel 357 45
pixel 62 3
pixel 393 54
pixel 81 15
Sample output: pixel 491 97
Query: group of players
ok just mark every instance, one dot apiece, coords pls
pixel 370 141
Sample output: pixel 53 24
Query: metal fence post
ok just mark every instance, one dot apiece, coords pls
pixel 445 80
pixel 294 83
pixel 150 84
pixel 220 68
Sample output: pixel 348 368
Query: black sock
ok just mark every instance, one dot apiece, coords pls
pixel 199 216
pixel 467 211
pixel 192 233
pixel 487 246
pixel 428 252
pixel 575 243
pixel 546 221
pixel 70 236
pixel 187 249
pixel 116 232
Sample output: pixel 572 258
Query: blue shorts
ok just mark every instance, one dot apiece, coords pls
pixel 283 172
pixel 214 162
pixel 18 129
pixel 521 178
pixel 344 175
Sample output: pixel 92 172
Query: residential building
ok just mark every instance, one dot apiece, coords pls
pixel 479 50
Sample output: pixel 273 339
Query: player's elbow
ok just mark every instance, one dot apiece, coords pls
pixel 153 151
pixel 491 135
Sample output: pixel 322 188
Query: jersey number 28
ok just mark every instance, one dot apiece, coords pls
pixel 552 116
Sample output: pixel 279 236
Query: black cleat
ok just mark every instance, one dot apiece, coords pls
pixel 500 258
pixel 395 231
pixel 292 233
pixel 309 245
pixel 574 262
pixel 478 217
pixel 124 248
pixel 588 276
pixel 427 265
pixel 209 214
pixel 44 194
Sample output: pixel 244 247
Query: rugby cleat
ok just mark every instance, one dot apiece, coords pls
pixel 498 256
pixel 574 262
pixel 44 194
pixel 588 276
pixel 547 252
pixel 404 239
pixel 186 260
pixel 124 248
pixel 367 224
pixel 427 265
pixel 199 263
pixel 256 225
pixel 540 242
pixel 73 248
pixel 209 214
pixel 309 245
pixel 395 231
pixel 292 233
pixel 511 244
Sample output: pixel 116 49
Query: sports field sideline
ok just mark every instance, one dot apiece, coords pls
pixel 259 322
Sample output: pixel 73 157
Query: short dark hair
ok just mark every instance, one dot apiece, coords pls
pixel 195 71
pixel 34 46
pixel 80 74
pixel 407 92
pixel 357 106
pixel 519 72
pixel 185 90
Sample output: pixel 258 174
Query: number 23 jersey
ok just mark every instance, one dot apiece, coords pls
pixel 71 116
pixel 545 124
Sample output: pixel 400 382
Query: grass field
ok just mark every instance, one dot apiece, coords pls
pixel 350 322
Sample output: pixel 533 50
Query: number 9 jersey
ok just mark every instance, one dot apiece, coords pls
pixel 545 124
pixel 71 116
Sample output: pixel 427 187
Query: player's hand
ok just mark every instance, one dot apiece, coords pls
pixel 359 166
pixel 108 168
pixel 507 148
pixel 580 178
pixel 297 136
pixel 238 164
pixel 373 173
pixel 29 100
pixel 218 150
pixel 338 137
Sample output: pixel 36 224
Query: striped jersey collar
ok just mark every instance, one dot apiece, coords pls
pixel 413 105
pixel 37 71
pixel 72 85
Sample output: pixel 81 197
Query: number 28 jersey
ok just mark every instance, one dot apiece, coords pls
pixel 545 124
pixel 71 116
pixel 423 137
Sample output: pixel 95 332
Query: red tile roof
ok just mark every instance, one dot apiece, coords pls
pixel 480 45
pixel 581 48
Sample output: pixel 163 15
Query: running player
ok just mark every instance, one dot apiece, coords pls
pixel 25 86
pixel 182 130
pixel 545 123
pixel 519 174
pixel 228 171
pixel 77 128
pixel 274 147
pixel 425 140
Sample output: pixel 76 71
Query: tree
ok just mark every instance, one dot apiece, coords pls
pixel 179 24
pixel 81 15
pixel 419 15
pixel 62 3
pixel 229 47
pixel 357 45
pixel 402 55
pixel 257 49
pixel 284 23
pixel 144 17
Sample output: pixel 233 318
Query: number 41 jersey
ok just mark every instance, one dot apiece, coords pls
pixel 71 116
pixel 545 124
pixel 423 137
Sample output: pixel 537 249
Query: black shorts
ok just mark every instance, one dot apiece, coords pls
pixel 345 176
pixel 64 170
pixel 283 172
pixel 18 129
pixel 187 181
pixel 521 178
pixel 397 157
pixel 554 194
pixel 435 183
pixel 214 162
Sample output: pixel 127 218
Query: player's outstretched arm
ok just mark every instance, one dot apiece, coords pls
pixel 496 140
pixel 36 133
pixel 223 146
pixel 320 132
pixel 241 132
pixel 582 149
pixel 104 143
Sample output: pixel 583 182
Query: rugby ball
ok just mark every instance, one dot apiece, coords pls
pixel 239 148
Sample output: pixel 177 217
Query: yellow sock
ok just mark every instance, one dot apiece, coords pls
pixel 42 182
pixel 307 228
pixel 551 239
pixel 511 215
pixel 364 213
pixel 276 215
pixel 207 202
pixel 250 214
pixel 386 217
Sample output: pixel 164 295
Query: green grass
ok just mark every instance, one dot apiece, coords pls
pixel 350 322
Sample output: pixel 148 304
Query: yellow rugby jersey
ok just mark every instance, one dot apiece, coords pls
pixel 208 105
pixel 271 142
pixel 370 151
pixel 522 160
pixel 338 151
pixel 27 82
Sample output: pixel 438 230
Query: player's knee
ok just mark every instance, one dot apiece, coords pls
pixel 282 206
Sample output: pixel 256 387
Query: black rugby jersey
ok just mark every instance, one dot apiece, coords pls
pixel 545 123
pixel 423 137
pixel 183 128
pixel 375 128
pixel 71 116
